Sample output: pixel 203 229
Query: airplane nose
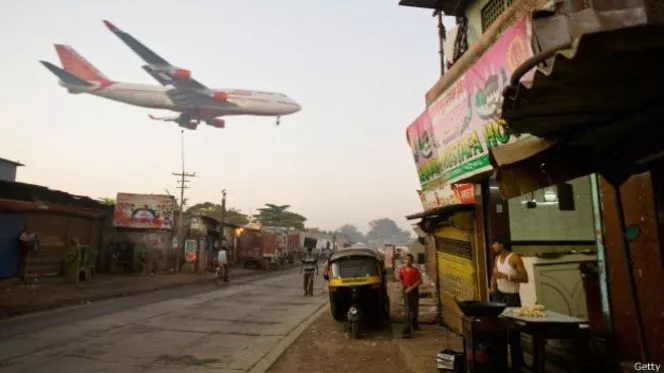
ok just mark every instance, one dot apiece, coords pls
pixel 296 107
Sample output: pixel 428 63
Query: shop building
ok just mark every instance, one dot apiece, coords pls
pixel 205 231
pixel 139 236
pixel 56 217
pixel 563 162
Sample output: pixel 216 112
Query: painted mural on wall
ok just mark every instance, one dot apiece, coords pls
pixel 147 211
pixel 466 118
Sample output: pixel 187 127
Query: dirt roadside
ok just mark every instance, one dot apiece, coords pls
pixel 17 298
pixel 325 348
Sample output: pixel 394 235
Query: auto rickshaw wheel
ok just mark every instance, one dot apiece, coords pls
pixel 336 315
pixel 355 330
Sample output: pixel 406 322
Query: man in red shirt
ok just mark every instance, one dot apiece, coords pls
pixel 411 279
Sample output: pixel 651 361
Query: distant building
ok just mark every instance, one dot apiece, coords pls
pixel 8 169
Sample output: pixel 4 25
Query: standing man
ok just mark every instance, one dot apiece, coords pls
pixel 309 266
pixel 222 261
pixel 410 278
pixel 508 274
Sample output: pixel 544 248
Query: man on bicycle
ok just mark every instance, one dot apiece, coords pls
pixel 222 261
pixel 309 266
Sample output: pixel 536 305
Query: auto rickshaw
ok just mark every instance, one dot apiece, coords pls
pixel 357 288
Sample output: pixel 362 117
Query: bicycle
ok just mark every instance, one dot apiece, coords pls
pixel 219 277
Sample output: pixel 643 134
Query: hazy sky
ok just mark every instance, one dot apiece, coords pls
pixel 359 69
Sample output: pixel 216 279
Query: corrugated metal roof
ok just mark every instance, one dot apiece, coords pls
pixel 35 193
pixel 605 77
pixel 440 211
pixel 595 107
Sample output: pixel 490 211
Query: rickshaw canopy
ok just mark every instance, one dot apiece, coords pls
pixel 358 252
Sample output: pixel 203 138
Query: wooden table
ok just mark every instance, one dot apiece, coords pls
pixel 554 326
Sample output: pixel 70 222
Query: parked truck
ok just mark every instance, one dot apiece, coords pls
pixel 258 249
pixel 295 240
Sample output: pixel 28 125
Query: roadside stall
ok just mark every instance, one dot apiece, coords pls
pixel 543 325
pixel 584 124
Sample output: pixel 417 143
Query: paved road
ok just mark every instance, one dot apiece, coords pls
pixel 237 328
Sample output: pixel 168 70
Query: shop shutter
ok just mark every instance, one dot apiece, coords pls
pixel 457 278
pixel 11 227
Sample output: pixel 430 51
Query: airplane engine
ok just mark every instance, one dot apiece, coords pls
pixel 217 123
pixel 219 96
pixel 191 125
pixel 182 74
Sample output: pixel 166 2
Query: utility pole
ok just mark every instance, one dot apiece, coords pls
pixel 223 217
pixel 182 185
pixel 442 35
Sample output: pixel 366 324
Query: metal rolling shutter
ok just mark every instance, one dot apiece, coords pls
pixel 456 278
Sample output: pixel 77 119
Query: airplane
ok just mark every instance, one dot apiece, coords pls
pixel 178 92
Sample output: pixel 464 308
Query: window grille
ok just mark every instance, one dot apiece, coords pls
pixel 492 10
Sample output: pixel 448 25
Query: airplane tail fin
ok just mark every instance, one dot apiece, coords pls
pixel 78 66
pixel 67 78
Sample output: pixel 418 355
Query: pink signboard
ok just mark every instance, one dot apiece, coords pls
pixel 423 146
pixel 466 118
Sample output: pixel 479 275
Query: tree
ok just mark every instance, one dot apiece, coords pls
pixel 385 230
pixel 278 216
pixel 232 215
pixel 318 230
pixel 107 201
pixel 351 231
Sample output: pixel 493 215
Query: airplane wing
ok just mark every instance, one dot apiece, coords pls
pixel 157 67
pixel 186 91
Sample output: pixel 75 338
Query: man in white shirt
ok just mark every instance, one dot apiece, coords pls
pixel 222 261
pixel 508 273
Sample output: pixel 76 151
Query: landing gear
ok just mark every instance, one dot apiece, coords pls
pixel 187 121
pixel 278 119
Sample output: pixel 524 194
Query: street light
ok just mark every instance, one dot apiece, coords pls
pixel 238 231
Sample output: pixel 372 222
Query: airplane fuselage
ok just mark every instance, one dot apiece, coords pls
pixel 239 102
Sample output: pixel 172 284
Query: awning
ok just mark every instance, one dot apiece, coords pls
pixel 430 217
pixel 449 7
pixel 533 164
pixel 604 77
pixel 595 108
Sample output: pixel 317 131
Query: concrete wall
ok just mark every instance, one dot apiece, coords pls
pixel 474 15
pixel 157 243
pixel 527 224
pixel 569 297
